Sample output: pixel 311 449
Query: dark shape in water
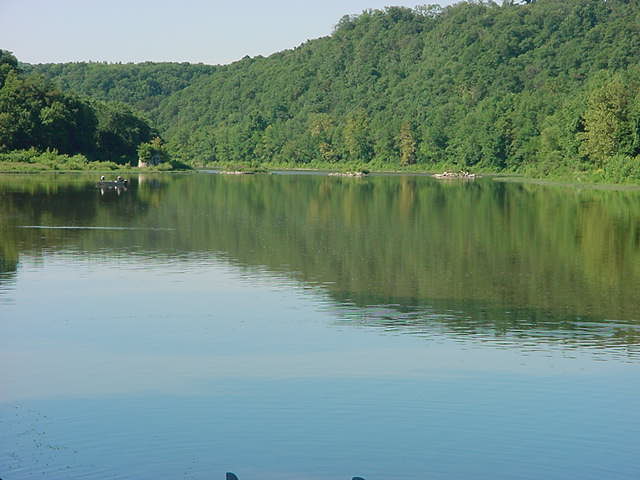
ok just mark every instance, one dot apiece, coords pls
pixel 233 476
pixel 119 182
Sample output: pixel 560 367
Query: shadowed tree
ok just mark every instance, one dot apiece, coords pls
pixel 407 144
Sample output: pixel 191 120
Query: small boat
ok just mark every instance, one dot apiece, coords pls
pixel 233 476
pixel 119 182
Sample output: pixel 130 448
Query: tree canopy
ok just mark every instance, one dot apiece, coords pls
pixel 547 85
pixel 141 85
pixel 550 85
pixel 35 113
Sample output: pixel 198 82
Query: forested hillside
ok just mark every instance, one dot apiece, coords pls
pixel 549 86
pixel 141 85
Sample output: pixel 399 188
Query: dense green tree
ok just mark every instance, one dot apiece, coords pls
pixel 153 151
pixel 322 129
pixel 34 113
pixel 119 132
pixel 357 141
pixel 610 121
pixel 407 144
pixel 8 63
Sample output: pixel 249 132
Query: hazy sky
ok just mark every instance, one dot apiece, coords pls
pixel 40 31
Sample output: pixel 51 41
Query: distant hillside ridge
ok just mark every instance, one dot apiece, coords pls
pixel 548 87
pixel 140 85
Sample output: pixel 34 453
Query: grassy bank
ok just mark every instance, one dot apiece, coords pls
pixel 624 170
pixel 620 170
pixel 32 160
pixel 258 167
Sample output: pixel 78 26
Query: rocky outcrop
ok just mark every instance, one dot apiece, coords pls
pixel 463 175
pixel 348 174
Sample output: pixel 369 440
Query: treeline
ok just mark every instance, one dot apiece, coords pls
pixel 552 86
pixel 37 116
pixel 545 87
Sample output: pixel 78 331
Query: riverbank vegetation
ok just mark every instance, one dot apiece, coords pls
pixel 33 160
pixel 45 128
pixel 547 88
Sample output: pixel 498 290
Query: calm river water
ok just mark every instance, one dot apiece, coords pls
pixel 310 327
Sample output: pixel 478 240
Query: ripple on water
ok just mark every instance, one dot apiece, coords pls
pixel 487 426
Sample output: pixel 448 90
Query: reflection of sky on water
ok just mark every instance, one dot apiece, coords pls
pixel 118 367
pixel 333 429
pixel 80 326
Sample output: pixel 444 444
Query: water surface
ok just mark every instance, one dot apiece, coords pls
pixel 299 326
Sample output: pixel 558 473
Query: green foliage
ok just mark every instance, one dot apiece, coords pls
pixel 611 120
pixel 32 160
pixel 545 86
pixel 407 144
pixel 34 113
pixel 8 63
pixel 143 86
pixel 153 151
pixel 357 142
pixel 481 85
pixel 119 132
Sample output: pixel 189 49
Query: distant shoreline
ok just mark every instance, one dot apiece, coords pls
pixel 567 180
pixel 498 177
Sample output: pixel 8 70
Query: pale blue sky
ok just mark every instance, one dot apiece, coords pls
pixel 40 31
